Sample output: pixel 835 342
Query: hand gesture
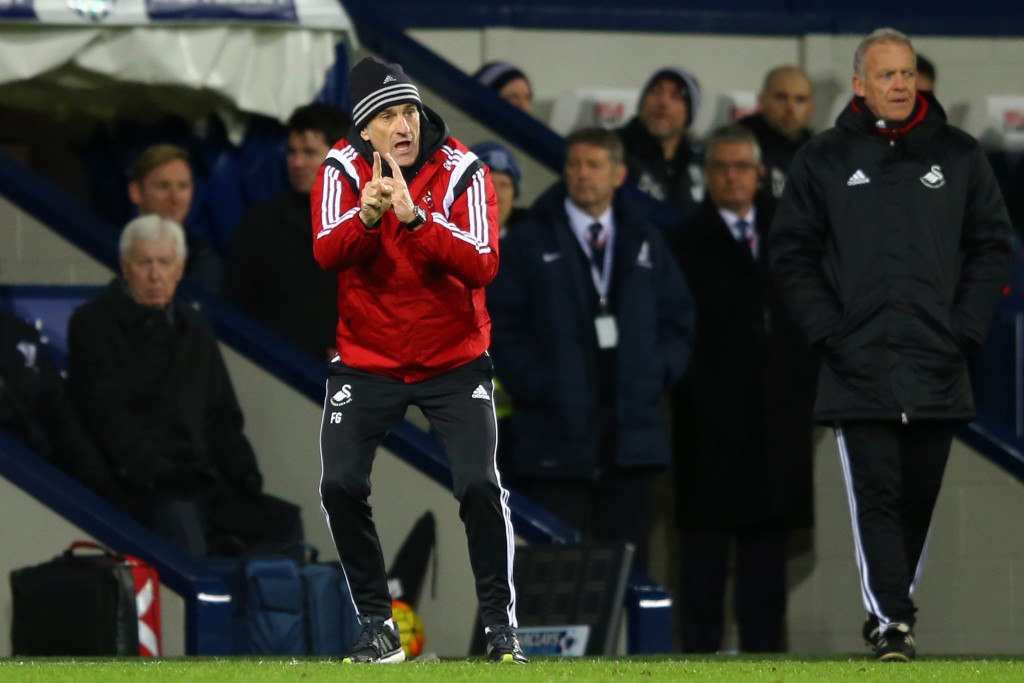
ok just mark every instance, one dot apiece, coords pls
pixel 376 196
pixel 401 202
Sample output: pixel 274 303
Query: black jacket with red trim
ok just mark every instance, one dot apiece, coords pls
pixel 411 305
pixel 891 247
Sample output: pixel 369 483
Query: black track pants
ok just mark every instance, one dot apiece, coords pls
pixel 893 474
pixel 359 409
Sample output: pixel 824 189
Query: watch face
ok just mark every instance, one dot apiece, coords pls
pixel 419 217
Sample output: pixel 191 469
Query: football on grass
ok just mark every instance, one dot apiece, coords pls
pixel 410 628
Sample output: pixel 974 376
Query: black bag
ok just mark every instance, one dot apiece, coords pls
pixel 82 605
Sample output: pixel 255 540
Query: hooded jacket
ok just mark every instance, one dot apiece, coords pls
pixel 411 305
pixel 890 248
pixel 678 181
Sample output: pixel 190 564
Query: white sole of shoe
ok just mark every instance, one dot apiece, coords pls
pixel 394 658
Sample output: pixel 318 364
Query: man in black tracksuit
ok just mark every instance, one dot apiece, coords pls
pixel 890 246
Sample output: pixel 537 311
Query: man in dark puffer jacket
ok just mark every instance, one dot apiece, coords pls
pixel 891 246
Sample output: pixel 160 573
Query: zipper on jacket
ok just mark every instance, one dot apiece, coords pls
pixel 903 418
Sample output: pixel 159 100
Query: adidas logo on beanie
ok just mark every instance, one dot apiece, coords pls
pixel 375 85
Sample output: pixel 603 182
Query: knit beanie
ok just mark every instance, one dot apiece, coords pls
pixel 496 75
pixel 687 84
pixel 499 159
pixel 374 85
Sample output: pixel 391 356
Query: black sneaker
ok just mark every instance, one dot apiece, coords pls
pixel 503 646
pixel 896 644
pixel 378 643
pixel 871 631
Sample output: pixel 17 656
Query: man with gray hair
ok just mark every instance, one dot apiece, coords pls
pixel 741 414
pixel 151 385
pixel 891 246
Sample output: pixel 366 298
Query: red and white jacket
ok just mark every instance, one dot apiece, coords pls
pixel 410 304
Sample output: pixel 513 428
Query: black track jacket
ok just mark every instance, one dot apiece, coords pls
pixel 891 256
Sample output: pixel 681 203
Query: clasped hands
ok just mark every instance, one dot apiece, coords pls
pixel 381 194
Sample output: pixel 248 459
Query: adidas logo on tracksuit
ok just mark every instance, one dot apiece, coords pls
pixel 858 178
pixel 480 392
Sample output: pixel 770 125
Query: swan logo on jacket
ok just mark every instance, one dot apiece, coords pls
pixel 343 396
pixel 933 179
pixel 643 258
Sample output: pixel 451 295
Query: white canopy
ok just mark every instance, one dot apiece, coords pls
pixel 190 56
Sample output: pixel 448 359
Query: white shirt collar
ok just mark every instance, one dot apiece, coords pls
pixel 731 217
pixel 580 221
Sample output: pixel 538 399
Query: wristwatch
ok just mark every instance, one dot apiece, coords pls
pixel 419 217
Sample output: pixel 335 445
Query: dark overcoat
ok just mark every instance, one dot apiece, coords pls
pixel 742 414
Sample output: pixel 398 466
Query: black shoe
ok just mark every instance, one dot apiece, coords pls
pixel 896 644
pixel 503 646
pixel 871 631
pixel 378 643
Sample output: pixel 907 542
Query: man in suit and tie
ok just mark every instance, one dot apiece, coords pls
pixel 742 412
pixel 593 322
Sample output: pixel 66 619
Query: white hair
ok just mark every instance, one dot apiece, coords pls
pixel 881 36
pixel 153 228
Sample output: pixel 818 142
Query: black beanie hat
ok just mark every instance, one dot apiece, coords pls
pixel 496 75
pixel 374 85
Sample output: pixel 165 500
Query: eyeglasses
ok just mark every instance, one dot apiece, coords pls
pixel 725 166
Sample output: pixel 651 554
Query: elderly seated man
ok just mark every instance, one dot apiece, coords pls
pixel 151 385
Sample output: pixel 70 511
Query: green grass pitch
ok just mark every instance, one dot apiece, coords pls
pixel 775 669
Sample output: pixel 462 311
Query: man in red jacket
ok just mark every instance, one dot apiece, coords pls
pixel 407 216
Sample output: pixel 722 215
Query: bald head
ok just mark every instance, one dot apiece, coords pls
pixel 787 100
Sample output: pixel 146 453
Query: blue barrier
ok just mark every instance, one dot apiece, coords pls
pixel 649 616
